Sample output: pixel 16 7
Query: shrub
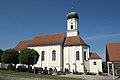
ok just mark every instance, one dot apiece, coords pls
pixel 38 70
pixel 45 71
pixel 11 67
pixel 22 69
pixel 88 73
pixel 100 73
pixel 50 71
pixel 60 73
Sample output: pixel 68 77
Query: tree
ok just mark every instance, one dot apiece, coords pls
pixel 10 56
pixel 1 52
pixel 28 57
pixel 105 68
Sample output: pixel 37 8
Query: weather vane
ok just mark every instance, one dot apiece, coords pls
pixel 72 8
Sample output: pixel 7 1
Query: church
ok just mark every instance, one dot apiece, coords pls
pixel 64 50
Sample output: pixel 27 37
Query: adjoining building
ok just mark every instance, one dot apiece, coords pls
pixel 113 57
pixel 64 50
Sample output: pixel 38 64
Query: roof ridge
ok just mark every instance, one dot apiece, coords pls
pixel 47 35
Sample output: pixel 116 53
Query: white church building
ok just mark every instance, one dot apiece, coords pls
pixel 64 50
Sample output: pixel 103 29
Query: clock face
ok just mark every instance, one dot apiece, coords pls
pixel 71 22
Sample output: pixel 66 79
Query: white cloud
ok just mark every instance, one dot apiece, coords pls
pixel 101 36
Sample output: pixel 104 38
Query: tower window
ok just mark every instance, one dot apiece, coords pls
pixel 71 26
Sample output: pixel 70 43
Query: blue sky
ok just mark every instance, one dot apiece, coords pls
pixel 99 21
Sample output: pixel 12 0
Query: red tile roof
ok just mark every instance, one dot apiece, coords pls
pixel 93 55
pixel 22 45
pixel 51 39
pixel 113 52
pixel 75 40
pixel 48 39
pixel 42 40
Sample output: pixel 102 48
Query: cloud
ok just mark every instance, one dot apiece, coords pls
pixel 101 36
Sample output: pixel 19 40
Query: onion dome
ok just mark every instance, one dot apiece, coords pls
pixel 72 15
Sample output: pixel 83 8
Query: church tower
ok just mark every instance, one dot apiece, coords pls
pixel 72 24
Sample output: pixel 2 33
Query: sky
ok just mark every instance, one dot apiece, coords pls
pixel 99 21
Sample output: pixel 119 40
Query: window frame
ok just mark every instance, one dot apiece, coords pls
pixel 94 63
pixel 53 55
pixel 42 55
pixel 77 55
pixel 71 26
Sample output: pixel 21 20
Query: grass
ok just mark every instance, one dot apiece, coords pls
pixel 2 78
pixel 31 75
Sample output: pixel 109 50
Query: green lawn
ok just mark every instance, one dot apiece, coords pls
pixel 8 73
pixel 2 78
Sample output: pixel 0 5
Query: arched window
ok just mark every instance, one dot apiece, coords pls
pixel 77 55
pixel 53 55
pixel 71 26
pixel 42 55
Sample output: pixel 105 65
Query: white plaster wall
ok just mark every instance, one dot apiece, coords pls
pixel 95 68
pixel 86 62
pixel 72 33
pixel 48 56
pixel 86 49
pixel 3 66
pixel 70 57
pixel 75 23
